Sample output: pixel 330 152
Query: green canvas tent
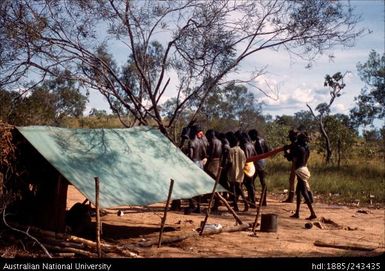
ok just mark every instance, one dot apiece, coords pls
pixel 134 165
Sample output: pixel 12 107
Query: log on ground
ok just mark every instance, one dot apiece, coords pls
pixel 349 246
pixel 184 236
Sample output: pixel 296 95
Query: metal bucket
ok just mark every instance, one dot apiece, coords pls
pixel 269 222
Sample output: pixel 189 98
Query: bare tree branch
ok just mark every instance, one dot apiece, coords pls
pixel 27 234
pixel 202 42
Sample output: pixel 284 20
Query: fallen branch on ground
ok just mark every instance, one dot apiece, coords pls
pixel 78 245
pixel 25 233
pixel 73 250
pixel 351 246
pixel 184 236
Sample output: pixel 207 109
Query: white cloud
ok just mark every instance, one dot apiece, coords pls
pixel 302 95
pixel 339 108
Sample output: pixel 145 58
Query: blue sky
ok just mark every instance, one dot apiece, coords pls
pixel 298 85
pixel 294 85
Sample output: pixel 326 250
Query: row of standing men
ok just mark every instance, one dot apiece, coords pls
pixel 212 150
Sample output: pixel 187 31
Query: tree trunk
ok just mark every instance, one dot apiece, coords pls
pixel 323 133
pixel 327 141
pixel 339 153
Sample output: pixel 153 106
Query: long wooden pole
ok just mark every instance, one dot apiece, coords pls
pixel 264 155
pixel 165 212
pixel 203 224
pixel 99 250
pixel 239 221
pixel 259 208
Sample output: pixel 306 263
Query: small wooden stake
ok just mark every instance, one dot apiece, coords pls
pixel 259 208
pixel 99 250
pixel 203 224
pixel 165 212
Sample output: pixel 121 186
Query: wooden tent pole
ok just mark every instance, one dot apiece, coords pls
pixel 165 212
pixel 58 220
pixel 239 221
pixel 203 223
pixel 99 250
pixel 259 208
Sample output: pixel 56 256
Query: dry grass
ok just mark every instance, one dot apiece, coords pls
pixel 354 181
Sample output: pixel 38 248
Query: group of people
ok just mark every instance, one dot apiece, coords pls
pixel 229 151
pixel 237 159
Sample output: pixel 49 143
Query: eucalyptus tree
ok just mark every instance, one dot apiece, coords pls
pixel 335 84
pixel 231 107
pixel 304 120
pixel 47 104
pixel 178 49
pixel 342 136
pixel 232 104
pixel 370 104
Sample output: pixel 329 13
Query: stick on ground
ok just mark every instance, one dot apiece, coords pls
pixel 351 246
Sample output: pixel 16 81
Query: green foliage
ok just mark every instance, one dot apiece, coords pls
pixel 46 104
pixel 285 120
pixel 339 128
pixel 335 82
pixel 9 104
pixel 304 121
pixel 276 134
pixel 323 109
pixel 106 121
pixel 341 136
pixel 370 104
pixel 229 108
pixel 37 108
pixel 369 150
pixel 233 102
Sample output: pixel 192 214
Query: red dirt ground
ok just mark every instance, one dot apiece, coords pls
pixel 357 226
